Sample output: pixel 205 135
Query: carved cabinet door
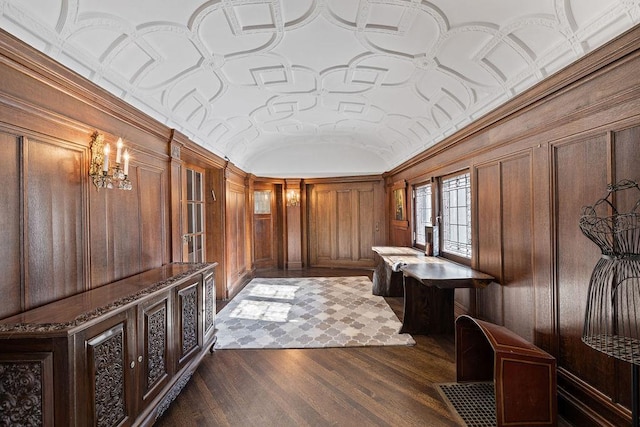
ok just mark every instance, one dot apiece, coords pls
pixel 189 321
pixel 209 306
pixel 154 342
pixel 26 387
pixel 107 369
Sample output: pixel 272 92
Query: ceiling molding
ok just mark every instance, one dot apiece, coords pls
pixel 591 64
pixel 314 80
pixel 42 68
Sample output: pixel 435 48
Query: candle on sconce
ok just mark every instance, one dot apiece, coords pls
pixel 105 163
pixel 119 151
pixel 126 162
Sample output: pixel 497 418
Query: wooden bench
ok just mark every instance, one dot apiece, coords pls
pixel 523 375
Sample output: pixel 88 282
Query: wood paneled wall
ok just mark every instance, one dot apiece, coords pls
pixel 345 222
pixel 237 231
pixel 60 235
pixel 535 163
pixel 41 175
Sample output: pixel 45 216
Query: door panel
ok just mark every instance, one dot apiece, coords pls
pixel 342 223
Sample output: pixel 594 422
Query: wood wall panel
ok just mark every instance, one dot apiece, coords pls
pixel 293 227
pixel 114 228
pixel 123 226
pixel 517 282
pixel 344 223
pixel 580 168
pixel 366 222
pixel 55 219
pixel 129 228
pixel 323 219
pixel 216 226
pixel 489 258
pixel 542 250
pixel 626 148
pixel 344 232
pixel 233 207
pixel 626 165
pixel 10 230
pixel 236 218
pixel 153 222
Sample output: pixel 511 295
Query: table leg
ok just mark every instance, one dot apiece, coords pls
pixel 427 309
pixel 386 282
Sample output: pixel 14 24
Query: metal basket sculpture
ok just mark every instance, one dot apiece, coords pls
pixel 612 319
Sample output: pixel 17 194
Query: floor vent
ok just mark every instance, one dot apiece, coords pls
pixel 475 403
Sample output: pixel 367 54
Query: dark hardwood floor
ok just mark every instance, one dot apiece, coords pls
pixel 368 386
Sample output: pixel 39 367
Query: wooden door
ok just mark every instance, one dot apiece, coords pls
pixel 264 226
pixel 193 215
pixel 345 221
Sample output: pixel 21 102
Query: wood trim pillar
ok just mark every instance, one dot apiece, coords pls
pixel 293 213
pixel 175 177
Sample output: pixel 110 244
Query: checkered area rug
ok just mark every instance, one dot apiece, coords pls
pixel 310 312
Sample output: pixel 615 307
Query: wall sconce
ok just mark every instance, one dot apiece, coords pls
pixel 102 174
pixel 293 198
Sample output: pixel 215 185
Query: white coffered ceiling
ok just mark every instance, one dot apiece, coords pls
pixel 308 88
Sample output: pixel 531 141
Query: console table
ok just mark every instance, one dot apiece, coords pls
pixel 112 356
pixel 386 281
pixel 429 287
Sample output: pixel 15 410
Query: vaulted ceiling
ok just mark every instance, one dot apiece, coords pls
pixel 309 88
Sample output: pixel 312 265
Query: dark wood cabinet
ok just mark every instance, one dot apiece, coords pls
pixel 154 346
pixel 113 356
pixel 189 327
pixel 105 371
pixel 209 310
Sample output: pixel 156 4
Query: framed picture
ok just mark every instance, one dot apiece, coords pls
pixel 399 212
pixel 399 207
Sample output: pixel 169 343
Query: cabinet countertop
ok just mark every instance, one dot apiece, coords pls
pixel 63 316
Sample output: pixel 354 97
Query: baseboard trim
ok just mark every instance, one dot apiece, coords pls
pixel 583 405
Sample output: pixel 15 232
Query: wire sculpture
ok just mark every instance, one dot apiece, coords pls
pixel 612 324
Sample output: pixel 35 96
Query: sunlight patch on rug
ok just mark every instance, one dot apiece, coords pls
pixel 273 291
pixel 261 310
pixel 309 312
